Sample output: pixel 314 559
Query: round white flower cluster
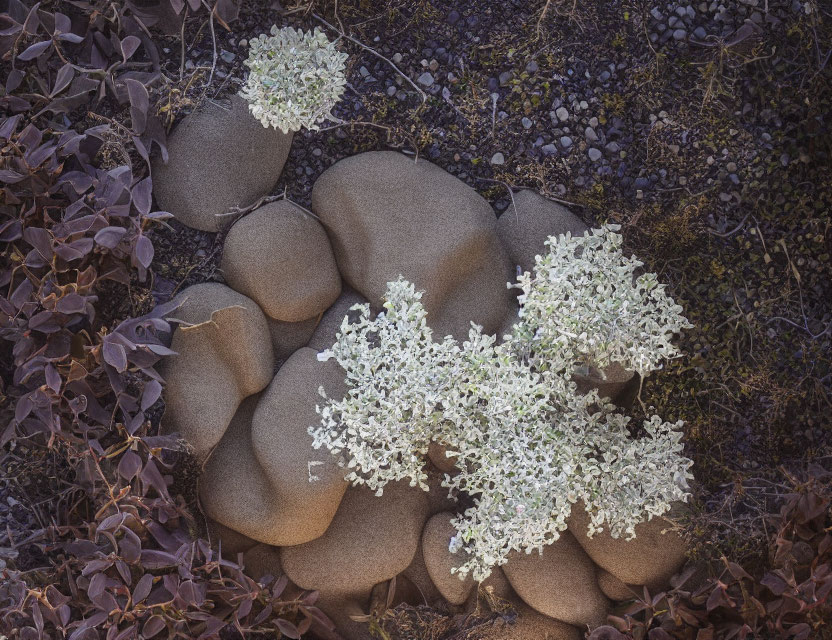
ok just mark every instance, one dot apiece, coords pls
pixel 528 445
pixel 585 305
pixel 296 78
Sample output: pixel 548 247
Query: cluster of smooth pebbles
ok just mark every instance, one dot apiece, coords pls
pixel 244 385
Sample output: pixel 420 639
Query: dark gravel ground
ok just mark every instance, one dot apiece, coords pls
pixel 702 128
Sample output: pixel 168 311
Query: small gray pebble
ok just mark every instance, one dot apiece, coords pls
pixel 391 90
pixel 594 154
pixel 680 34
pixel 613 147
pixel 505 77
pixel 566 141
pixel 562 114
pixel 527 124
pixel 397 58
pixel 498 159
pixel 700 33
pixel 549 149
pixel 426 79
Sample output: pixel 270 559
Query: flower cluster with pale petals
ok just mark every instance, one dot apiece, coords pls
pixel 527 444
pixel 296 78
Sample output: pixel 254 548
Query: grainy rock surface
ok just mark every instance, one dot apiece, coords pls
pixel 330 324
pixel 419 577
pixel 560 582
pixel 436 454
pixel 261 560
pixel 614 589
pixel 651 558
pixel 219 158
pixel 280 257
pixel 529 625
pixel 370 540
pixel 524 227
pixel 288 337
pixel 224 356
pixel 612 384
pixel 233 489
pixel 231 541
pixel 283 448
pixel 439 560
pixel 388 215
pixel 438 498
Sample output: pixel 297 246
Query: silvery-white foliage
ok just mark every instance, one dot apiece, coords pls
pixel 296 78
pixel 397 377
pixel 585 305
pixel 528 445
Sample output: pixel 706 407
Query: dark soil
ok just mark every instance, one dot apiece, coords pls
pixel 702 128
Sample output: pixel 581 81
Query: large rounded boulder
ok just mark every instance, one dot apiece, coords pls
pixel 223 355
pixel 280 257
pixel 233 489
pixel 560 582
pixel 651 558
pixel 525 226
pixel 219 158
pixel 389 215
pixel 306 484
pixel 370 540
pixel 440 561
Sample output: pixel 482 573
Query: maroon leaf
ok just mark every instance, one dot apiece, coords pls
pixel 53 378
pixel 70 37
pixel 72 303
pixel 8 125
pixel 62 22
pixel 110 237
pixel 139 104
pixel 144 251
pixel 129 465
pixel 153 626
pixel 62 79
pixel 10 177
pixel 129 46
pixel 774 583
pixel 606 632
pixel 150 395
pixel 33 51
pixel 114 355
pixel 124 571
pixel 287 628
pixel 143 588
pixel 40 239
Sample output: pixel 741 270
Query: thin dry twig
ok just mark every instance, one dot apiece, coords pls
pixel 375 53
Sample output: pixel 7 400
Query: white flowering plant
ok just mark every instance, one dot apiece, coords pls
pixel 585 306
pixel 527 444
pixel 296 78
